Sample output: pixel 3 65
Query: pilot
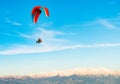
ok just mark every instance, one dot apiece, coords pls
pixel 39 40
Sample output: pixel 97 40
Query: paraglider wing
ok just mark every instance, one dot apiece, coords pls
pixel 36 13
pixel 34 9
pixel 46 11
pixel 37 10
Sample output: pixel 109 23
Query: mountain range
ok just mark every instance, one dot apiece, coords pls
pixel 75 76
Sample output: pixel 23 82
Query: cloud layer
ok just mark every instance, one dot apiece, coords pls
pixel 52 42
pixel 13 22
pixel 23 49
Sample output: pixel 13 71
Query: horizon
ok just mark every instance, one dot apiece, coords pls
pixel 77 71
pixel 77 34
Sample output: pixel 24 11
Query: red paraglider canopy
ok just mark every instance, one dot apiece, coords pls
pixel 37 10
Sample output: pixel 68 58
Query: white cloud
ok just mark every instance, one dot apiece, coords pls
pixel 24 35
pixel 48 24
pixel 48 36
pixel 52 42
pixel 104 45
pixel 49 33
pixel 43 24
pixel 106 23
pixel 41 32
pixel 13 22
pixel 23 49
pixel 34 49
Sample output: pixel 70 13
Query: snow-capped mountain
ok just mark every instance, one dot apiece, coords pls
pixel 75 76
pixel 78 71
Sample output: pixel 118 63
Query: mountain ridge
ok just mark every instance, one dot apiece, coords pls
pixel 77 71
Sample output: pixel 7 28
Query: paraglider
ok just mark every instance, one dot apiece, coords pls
pixel 37 10
pixel 39 40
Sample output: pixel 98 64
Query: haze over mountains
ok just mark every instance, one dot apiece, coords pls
pixel 75 76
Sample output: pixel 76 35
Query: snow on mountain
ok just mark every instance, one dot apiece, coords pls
pixel 79 71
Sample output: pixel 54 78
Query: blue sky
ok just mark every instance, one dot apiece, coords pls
pixel 78 34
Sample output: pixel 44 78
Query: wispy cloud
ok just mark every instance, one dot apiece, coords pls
pixel 43 24
pixel 49 33
pixel 48 24
pixel 13 22
pixel 24 35
pixel 52 41
pixel 102 45
pixel 106 23
pixel 48 36
pixel 23 49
